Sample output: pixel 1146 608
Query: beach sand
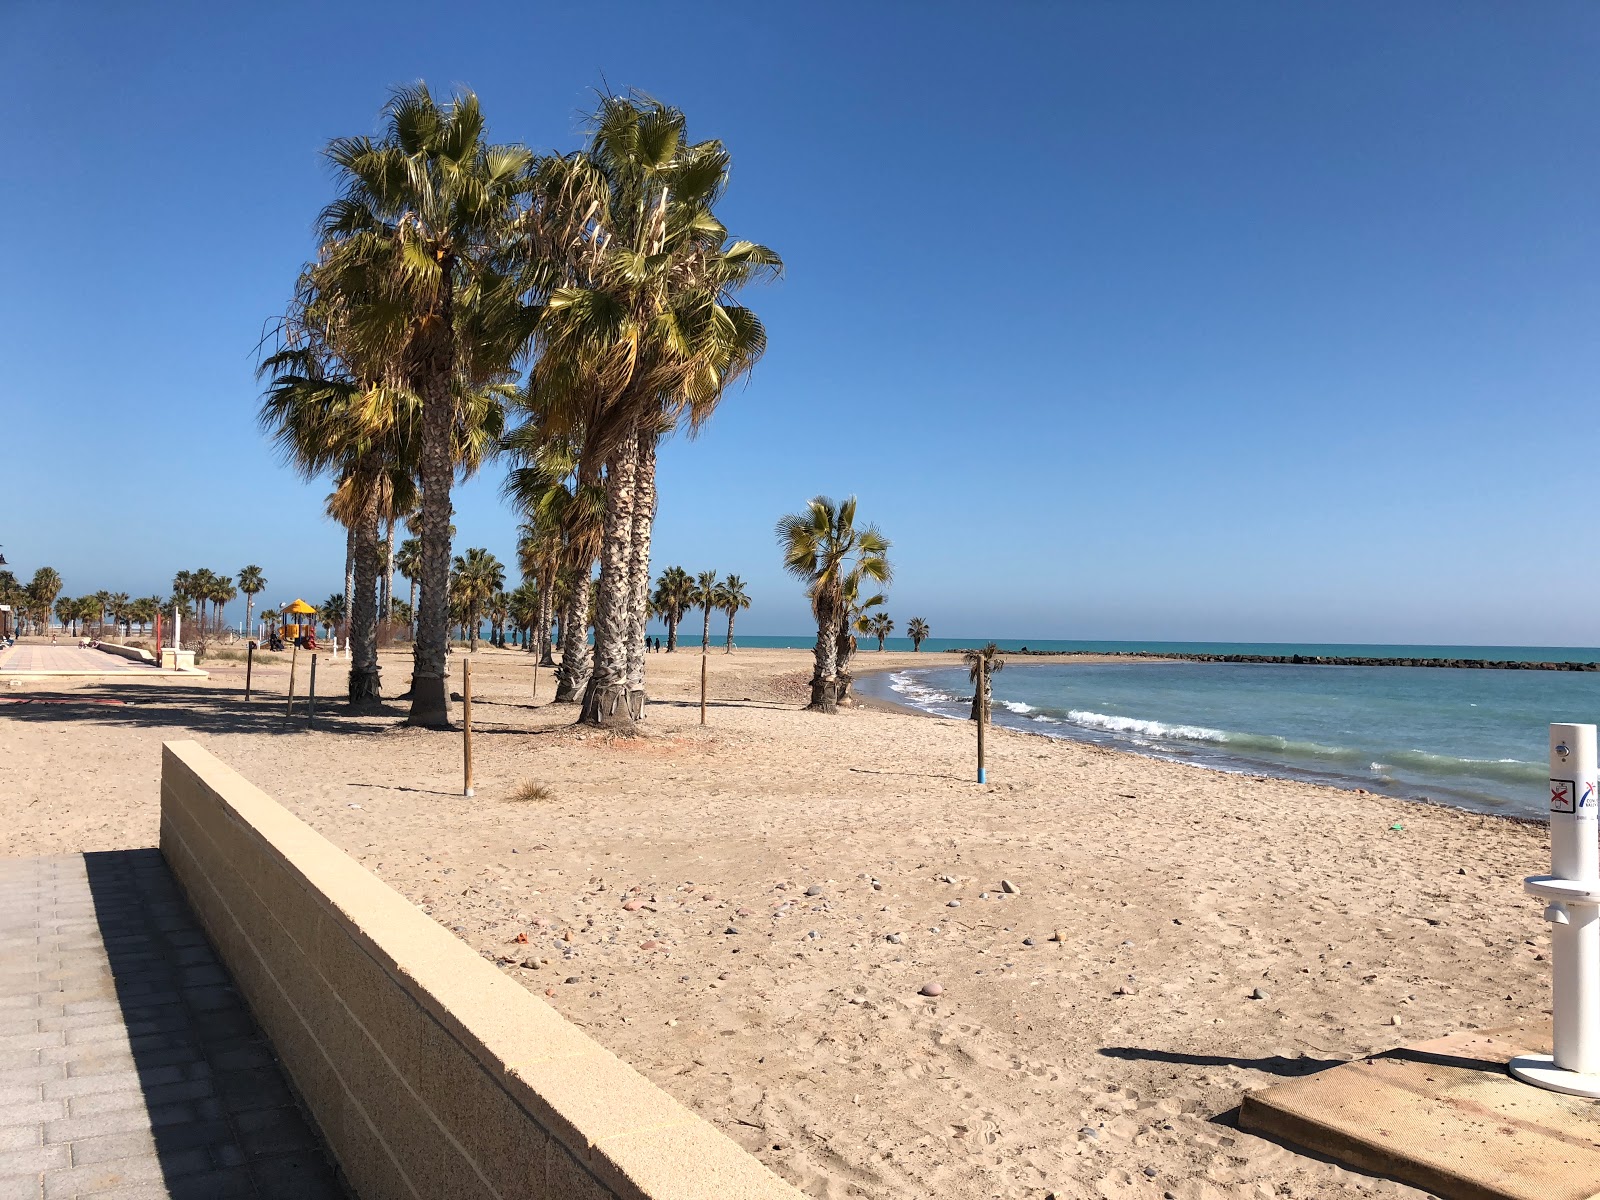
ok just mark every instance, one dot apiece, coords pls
pixel 715 905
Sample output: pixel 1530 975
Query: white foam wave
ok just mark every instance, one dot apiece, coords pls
pixel 1133 725
pixel 1017 706
pixel 918 693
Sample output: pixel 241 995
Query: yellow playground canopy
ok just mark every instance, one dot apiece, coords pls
pixel 292 624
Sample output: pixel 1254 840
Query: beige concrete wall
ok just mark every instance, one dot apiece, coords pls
pixel 431 1074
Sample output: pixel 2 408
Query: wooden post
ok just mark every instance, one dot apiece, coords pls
pixel 466 723
pixel 294 658
pixel 249 666
pixel 536 678
pixel 311 695
pixel 983 712
pixel 702 685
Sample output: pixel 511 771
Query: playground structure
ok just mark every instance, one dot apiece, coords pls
pixel 296 620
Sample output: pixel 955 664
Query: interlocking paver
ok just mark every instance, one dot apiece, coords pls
pixel 129 1065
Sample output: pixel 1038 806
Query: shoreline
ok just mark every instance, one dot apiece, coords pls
pixel 1304 660
pixel 1245 769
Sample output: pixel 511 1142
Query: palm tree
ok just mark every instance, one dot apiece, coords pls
pixel 428 208
pixel 734 599
pixel 408 561
pixel 145 609
pixel 332 613
pixel 42 591
pixel 524 607
pixel 67 613
pixel 880 627
pixel 562 504
pixel 223 593
pixel 823 548
pixel 121 612
pixel 707 595
pixel 989 656
pixel 478 576
pixel 497 609
pixel 640 335
pixel 917 631
pixel 673 598
pixel 251 582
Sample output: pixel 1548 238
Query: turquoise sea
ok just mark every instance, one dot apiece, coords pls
pixel 1472 738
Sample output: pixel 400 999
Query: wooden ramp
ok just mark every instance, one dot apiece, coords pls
pixel 1445 1116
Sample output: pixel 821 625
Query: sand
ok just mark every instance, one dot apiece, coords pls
pixel 716 905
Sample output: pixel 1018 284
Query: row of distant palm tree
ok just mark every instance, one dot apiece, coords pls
pixel 446 263
pixel 677 593
pixel 31 602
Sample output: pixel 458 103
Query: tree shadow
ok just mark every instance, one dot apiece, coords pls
pixel 910 774
pixel 1276 1064
pixel 220 1114
pixel 201 709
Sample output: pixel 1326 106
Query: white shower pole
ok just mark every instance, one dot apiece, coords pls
pixel 1573 891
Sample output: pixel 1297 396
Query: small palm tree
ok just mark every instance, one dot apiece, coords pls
pixel 332 613
pixel 880 626
pixel 823 548
pixel 251 583
pixel 408 561
pixel 917 631
pixel 707 595
pixel 121 612
pixel 674 596
pixel 734 598
pixel 989 658
pixel 477 576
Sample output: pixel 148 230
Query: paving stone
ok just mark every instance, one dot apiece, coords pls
pixel 34 1158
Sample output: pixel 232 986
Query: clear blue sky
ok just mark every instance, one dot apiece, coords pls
pixel 1135 320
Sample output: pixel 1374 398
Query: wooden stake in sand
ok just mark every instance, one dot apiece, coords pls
pixel 702 685
pixel 294 657
pixel 466 724
pixel 983 712
pixel 249 666
pixel 311 695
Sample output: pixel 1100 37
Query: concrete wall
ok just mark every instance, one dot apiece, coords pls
pixel 431 1074
pixel 132 652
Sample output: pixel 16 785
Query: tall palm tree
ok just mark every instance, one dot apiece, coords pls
pixel 429 207
pixel 823 548
pixel 67 613
pixel 251 582
pixel 673 598
pixel 42 590
pixel 478 576
pixel 734 598
pixel 989 656
pixel 640 335
pixel 408 561
pixel 917 631
pixel 562 504
pixel 880 626
pixel 121 609
pixel 145 610
pixel 524 607
pixel 707 596
pixel 855 617
pixel 223 593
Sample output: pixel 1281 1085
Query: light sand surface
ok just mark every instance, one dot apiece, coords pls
pixel 715 906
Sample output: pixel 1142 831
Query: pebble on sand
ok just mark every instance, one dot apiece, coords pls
pixel 953 904
pixel 932 988
pixel 814 890
pixel 1007 886
pixel 1258 994
pixel 630 906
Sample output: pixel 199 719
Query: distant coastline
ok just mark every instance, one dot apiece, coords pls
pixel 1309 660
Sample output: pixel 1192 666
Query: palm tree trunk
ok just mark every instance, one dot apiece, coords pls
pixel 349 572
pixel 824 681
pixel 729 649
pixel 472 634
pixel 249 615
pixel 386 610
pixel 430 699
pixel 606 702
pixel 413 606
pixel 846 651
pixel 362 616
pixel 705 631
pixel 547 616
pixel 572 677
pixel 672 632
pixel 644 516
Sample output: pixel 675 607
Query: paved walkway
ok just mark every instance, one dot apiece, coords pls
pixel 129 1066
pixel 33 660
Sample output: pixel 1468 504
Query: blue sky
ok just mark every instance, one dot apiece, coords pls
pixel 1136 320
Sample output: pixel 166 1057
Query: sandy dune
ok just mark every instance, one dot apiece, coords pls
pixel 747 912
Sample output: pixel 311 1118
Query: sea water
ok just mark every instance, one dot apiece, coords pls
pixel 1469 737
